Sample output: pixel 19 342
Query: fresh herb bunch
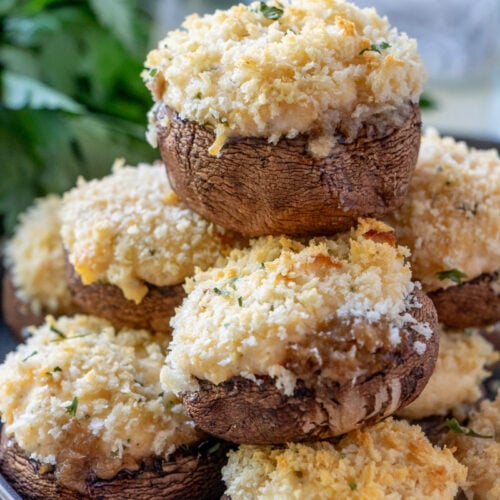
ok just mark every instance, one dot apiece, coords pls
pixel 72 96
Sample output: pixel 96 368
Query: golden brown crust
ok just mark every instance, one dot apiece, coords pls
pixel 474 303
pixel 17 314
pixel 190 473
pixel 244 411
pixel 107 301
pixel 257 188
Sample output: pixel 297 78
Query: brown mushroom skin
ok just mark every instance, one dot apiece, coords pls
pixel 193 472
pixel 107 301
pixel 242 411
pixel 17 314
pixel 473 303
pixel 258 188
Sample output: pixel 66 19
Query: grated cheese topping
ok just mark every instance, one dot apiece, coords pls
pixel 391 459
pixel 481 455
pixel 121 414
pixel 323 67
pixel 450 218
pixel 456 380
pixel 35 258
pixel 130 229
pixel 282 297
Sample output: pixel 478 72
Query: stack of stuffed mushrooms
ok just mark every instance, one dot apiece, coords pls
pixel 256 323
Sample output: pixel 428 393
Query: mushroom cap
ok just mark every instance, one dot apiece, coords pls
pixel 193 472
pixel 473 303
pixel 257 412
pixel 107 301
pixel 17 314
pixel 258 188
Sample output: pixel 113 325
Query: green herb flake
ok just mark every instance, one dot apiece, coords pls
pixel 138 382
pixel 270 12
pixel 153 72
pixel 468 332
pixel 353 485
pixel 72 407
pixel 218 291
pixel 56 369
pixel 451 274
pixel 439 169
pixel 114 453
pixel 342 455
pixel 161 394
pixel 427 102
pixel 198 95
pixel 298 473
pixel 214 448
pixel 29 356
pixel 454 426
pixel 226 325
pixel 468 208
pixel 240 301
pixel 169 405
pixel 375 47
pixel 57 332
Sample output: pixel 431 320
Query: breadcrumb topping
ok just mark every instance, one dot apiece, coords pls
pixel 34 257
pixel 80 394
pixel 130 229
pixel 450 218
pixel 456 380
pixel 318 66
pixel 245 318
pixel 391 459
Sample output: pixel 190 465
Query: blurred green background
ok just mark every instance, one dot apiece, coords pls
pixel 72 97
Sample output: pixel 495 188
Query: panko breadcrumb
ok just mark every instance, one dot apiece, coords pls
pixel 481 455
pixel 245 318
pixel 321 66
pixel 34 256
pixel 456 380
pixel 450 219
pixel 391 459
pixel 79 393
pixel 130 229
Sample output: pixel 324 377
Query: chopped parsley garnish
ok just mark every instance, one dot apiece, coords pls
pixel 439 169
pixel 72 337
pixel 454 426
pixel 152 72
pixel 72 407
pixel 375 47
pixel 270 12
pixel 218 291
pixel 57 331
pixel 451 274
pixel 427 102
pixel 56 369
pixel 161 394
pixel 240 301
pixel 29 356
pixel 353 485
pixel 214 448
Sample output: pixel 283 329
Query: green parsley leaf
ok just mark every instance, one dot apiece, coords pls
pixel 353 485
pixel 451 274
pixel 56 369
pixel 240 301
pixel 454 426
pixel 375 47
pixel 58 332
pixel 29 356
pixel 427 102
pixel 218 291
pixel 72 407
pixel 269 12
